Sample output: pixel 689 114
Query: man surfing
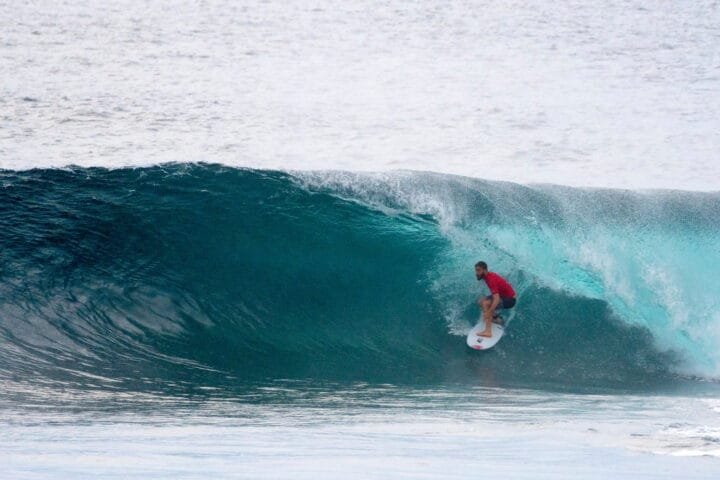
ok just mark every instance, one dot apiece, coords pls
pixel 501 295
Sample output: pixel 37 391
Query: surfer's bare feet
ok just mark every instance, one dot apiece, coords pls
pixel 485 333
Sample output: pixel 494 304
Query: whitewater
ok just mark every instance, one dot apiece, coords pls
pixel 237 239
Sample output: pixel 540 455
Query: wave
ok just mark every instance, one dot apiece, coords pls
pixel 206 274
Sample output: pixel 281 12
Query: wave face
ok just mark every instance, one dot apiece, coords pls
pixel 212 275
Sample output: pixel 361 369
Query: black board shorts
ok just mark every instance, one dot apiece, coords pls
pixel 507 302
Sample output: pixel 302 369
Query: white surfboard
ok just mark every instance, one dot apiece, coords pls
pixel 483 343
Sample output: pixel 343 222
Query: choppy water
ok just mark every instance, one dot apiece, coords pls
pixel 189 320
pixel 360 431
pixel 619 94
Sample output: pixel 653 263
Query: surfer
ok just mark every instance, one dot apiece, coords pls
pixel 501 295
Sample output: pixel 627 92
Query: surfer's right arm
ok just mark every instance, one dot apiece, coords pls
pixel 495 301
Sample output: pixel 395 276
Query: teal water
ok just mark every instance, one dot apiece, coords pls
pixel 218 276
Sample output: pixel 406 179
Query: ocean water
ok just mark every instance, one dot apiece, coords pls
pixel 622 94
pixel 237 239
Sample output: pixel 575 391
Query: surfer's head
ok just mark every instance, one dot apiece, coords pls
pixel 481 269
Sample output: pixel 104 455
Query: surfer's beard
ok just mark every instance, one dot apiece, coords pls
pixel 480 276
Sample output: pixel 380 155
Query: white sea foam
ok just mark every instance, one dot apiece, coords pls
pixel 368 433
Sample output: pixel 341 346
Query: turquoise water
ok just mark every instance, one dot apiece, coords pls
pixel 218 275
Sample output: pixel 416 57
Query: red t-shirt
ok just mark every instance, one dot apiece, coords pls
pixel 497 284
